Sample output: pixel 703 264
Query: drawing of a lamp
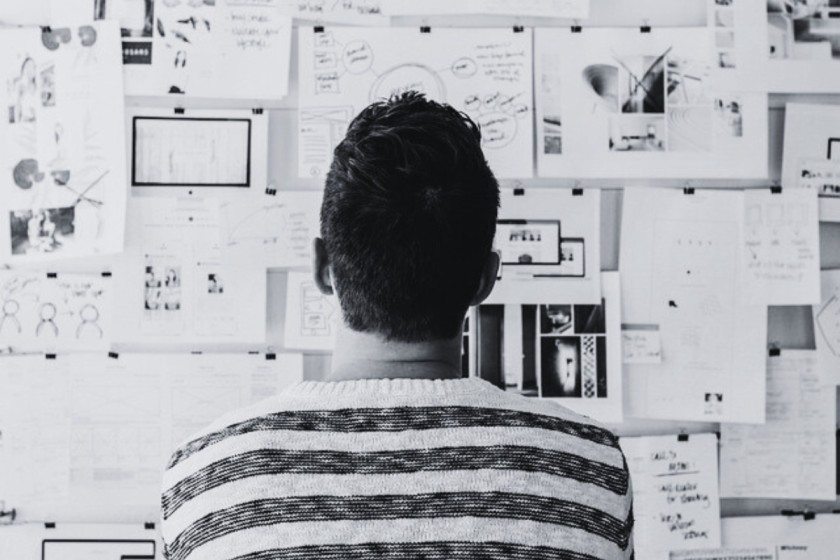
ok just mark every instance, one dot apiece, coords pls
pixel 603 79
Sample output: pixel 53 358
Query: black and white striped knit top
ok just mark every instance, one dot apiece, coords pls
pixel 399 469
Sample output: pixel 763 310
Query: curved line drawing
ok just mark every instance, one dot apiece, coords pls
pixel 90 320
pixel 690 129
pixel 603 79
pixel 10 311
pixel 407 77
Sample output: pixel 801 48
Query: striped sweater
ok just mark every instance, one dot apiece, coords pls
pixel 398 469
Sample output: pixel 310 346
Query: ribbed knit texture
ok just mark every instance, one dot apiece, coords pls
pixel 399 469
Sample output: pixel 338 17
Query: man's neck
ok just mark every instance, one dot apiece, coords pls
pixel 369 356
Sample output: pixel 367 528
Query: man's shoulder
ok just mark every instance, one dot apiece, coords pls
pixel 487 409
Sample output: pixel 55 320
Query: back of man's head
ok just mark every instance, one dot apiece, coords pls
pixel 408 219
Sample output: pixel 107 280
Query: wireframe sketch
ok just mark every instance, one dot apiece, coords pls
pixel 316 312
pixel 803 29
pixel 486 76
pixel 172 151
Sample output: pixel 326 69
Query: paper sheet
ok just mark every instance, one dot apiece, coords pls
pixel 725 554
pixel 197 150
pixel 812 154
pixel 486 73
pixel 80 541
pixel 63 151
pixel 579 355
pixel 549 240
pixel 802 53
pixel 676 503
pixel 275 230
pixel 617 103
pixel 641 344
pixel 176 286
pixel 782 247
pixel 570 9
pixel 567 352
pixel 55 312
pixel 791 538
pixel 827 327
pixel 88 432
pixel 739 42
pixel 312 319
pixel 681 268
pixel 226 49
pixel 792 455
pixel 353 12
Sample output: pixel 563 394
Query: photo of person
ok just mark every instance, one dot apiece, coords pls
pixel 153 295
pixel 560 370
pixel 172 289
pixel 23 91
pixel 162 288
pixel 214 284
pixel 41 231
pixel 555 319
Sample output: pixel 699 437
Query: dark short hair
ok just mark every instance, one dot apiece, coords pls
pixel 408 218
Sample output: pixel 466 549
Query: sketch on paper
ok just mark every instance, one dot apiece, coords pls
pixel 827 326
pixel 485 73
pixel 191 152
pixel 64 152
pixel 688 255
pixel 178 286
pixel 811 157
pixel 641 104
pixel 276 230
pixel 312 318
pixel 548 241
pixel 199 148
pixel 54 312
pixel 202 48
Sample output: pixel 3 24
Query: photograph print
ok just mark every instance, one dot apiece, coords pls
pixel 573 351
pixel 803 29
pixel 40 231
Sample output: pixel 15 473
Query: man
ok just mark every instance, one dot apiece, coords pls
pixel 396 456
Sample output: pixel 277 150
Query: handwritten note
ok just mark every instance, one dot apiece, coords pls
pixel 641 344
pixel 675 493
pixel 781 247
pixel 351 12
pixel 793 454
pixel 487 73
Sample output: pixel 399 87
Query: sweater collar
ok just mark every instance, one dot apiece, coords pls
pixel 398 386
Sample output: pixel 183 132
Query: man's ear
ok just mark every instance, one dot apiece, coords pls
pixel 321 267
pixel 488 278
